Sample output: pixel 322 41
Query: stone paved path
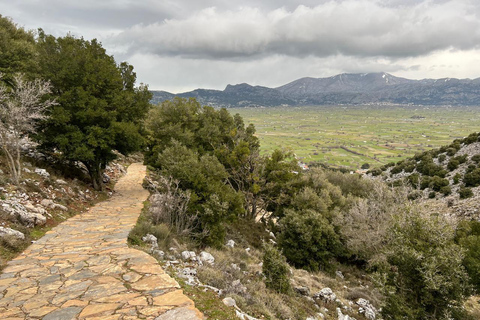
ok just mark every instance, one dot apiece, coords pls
pixel 83 269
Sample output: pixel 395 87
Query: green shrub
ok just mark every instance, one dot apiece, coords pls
pixel 414 195
pixel 472 179
pixel 425 182
pixel 468 237
pixel 446 190
pixel 451 152
pixel 397 169
pixel 456 178
pixel 432 194
pixel 470 168
pixel 162 232
pixel 476 158
pixel 471 138
pixel 308 240
pixel 425 278
pixel 437 183
pixel 452 164
pixel 375 172
pixel 465 193
pixel 275 269
pixel 365 166
pixel 462 159
pixel 414 179
pixel 441 158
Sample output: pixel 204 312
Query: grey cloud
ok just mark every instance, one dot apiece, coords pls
pixel 357 28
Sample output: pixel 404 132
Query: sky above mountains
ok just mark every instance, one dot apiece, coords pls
pixel 186 44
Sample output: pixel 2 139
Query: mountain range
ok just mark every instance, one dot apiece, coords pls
pixel 345 88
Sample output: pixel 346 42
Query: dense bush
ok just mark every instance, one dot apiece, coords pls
pixel 446 190
pixel 476 158
pixel 451 151
pixel 375 172
pixel 468 237
pixel 456 178
pixel 308 240
pixel 425 277
pixel 213 157
pixel 427 167
pixel 437 183
pixel 474 137
pixel 453 164
pixel 465 193
pixel 472 179
pixel 276 270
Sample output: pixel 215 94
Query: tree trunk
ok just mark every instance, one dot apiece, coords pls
pixel 96 174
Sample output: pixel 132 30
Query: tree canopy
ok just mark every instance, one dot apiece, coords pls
pixel 99 109
pixel 17 51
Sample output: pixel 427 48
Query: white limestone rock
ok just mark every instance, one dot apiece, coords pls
pixel 206 257
pixel 8 232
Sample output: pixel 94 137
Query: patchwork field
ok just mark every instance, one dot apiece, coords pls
pixel 350 136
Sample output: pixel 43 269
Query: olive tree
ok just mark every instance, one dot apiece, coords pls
pixel 21 107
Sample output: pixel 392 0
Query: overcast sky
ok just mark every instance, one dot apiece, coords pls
pixel 186 44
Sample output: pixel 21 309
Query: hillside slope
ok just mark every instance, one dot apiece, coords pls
pixel 450 174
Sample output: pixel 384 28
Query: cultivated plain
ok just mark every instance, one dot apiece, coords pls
pixel 350 136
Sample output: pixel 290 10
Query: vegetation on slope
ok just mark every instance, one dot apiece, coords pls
pixel 322 219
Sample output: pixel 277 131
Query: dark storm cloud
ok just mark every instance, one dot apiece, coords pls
pixel 357 28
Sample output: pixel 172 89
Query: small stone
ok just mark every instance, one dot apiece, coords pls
pixel 229 302
pixel 230 243
pixel 339 274
pixel 206 257
pixel 61 182
pixel 47 203
pixel 304 291
pixel 158 253
pixel 42 172
pixel 188 255
pixel 325 294
pixel 59 206
pixel 150 239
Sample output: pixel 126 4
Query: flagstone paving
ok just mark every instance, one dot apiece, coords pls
pixel 83 268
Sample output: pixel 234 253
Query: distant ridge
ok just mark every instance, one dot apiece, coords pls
pixel 345 88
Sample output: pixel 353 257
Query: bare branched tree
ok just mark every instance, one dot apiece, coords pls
pixel 21 107
pixel 170 207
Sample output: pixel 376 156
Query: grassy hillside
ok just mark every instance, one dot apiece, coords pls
pixel 353 135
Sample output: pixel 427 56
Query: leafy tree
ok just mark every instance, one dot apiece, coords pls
pixel 308 240
pixel 17 51
pixel 425 277
pixel 280 181
pixel 468 237
pixel 213 132
pixel 20 110
pixel 275 270
pixel 99 110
